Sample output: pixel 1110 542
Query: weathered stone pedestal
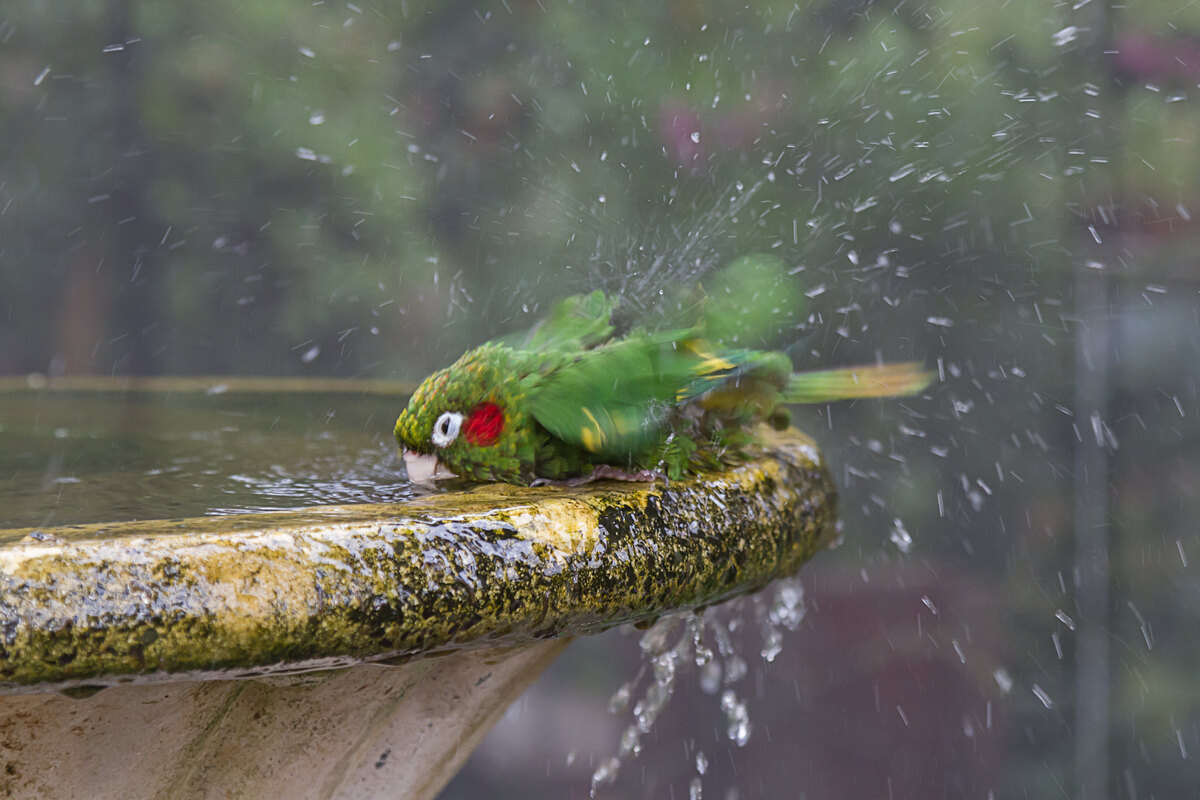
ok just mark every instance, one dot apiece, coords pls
pixel 352 651
pixel 368 731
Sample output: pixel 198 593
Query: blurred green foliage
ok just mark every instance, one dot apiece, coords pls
pixel 362 189
pixel 244 180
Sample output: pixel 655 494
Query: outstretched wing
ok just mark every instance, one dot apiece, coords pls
pixel 579 322
pixel 750 302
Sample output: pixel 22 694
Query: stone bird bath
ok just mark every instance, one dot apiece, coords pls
pixel 165 634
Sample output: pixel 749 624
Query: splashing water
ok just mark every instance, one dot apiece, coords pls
pixel 640 263
pixel 639 269
pixel 900 536
pixel 676 644
pixel 737 718
pixel 605 773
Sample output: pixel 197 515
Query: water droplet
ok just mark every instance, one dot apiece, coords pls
pixel 646 711
pixel 772 643
pixel 695 789
pixel 1065 36
pixel 1003 679
pixel 737 720
pixel 900 536
pixel 631 743
pixel 735 669
pixel 620 699
pixel 657 639
pixel 664 669
pixel 724 644
pixel 605 774
pixel 701 654
pixel 788 609
pixel 316 118
pixel 711 678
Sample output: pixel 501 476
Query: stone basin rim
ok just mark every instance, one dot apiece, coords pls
pixel 281 592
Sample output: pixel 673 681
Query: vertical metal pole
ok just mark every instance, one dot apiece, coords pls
pixel 1091 520
pixel 1093 309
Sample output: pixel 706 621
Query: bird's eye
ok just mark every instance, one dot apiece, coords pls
pixel 445 430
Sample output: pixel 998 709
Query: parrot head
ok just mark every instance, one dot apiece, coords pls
pixel 466 420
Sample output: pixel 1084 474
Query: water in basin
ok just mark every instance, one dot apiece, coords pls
pixel 79 457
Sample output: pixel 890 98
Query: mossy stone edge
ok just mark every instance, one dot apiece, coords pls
pixel 251 594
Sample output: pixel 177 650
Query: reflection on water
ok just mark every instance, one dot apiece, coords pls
pixel 78 457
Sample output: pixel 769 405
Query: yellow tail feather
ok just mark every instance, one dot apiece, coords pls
pixel 887 380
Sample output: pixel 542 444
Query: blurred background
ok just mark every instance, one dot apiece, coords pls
pixel 1006 191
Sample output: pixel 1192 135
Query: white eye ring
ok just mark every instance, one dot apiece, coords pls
pixel 445 430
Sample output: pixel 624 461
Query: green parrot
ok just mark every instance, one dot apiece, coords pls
pixel 574 402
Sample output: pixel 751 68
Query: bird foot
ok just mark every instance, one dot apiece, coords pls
pixel 605 472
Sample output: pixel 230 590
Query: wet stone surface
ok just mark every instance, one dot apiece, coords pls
pixel 248 594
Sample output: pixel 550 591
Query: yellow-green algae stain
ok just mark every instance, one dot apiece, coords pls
pixel 497 564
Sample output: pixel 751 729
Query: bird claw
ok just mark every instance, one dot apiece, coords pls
pixel 605 472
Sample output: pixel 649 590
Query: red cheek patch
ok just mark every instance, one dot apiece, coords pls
pixel 484 425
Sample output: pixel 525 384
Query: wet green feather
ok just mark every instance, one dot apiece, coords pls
pixel 575 394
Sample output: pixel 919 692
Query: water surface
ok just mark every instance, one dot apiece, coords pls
pixel 71 457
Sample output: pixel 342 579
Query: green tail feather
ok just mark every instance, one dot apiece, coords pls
pixel 825 386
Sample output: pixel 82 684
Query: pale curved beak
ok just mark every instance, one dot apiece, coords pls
pixel 422 468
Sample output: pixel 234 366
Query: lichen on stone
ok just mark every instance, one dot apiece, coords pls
pixel 487 566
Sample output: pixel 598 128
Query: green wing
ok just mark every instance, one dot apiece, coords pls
pixel 579 322
pixel 614 399
pixel 751 301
